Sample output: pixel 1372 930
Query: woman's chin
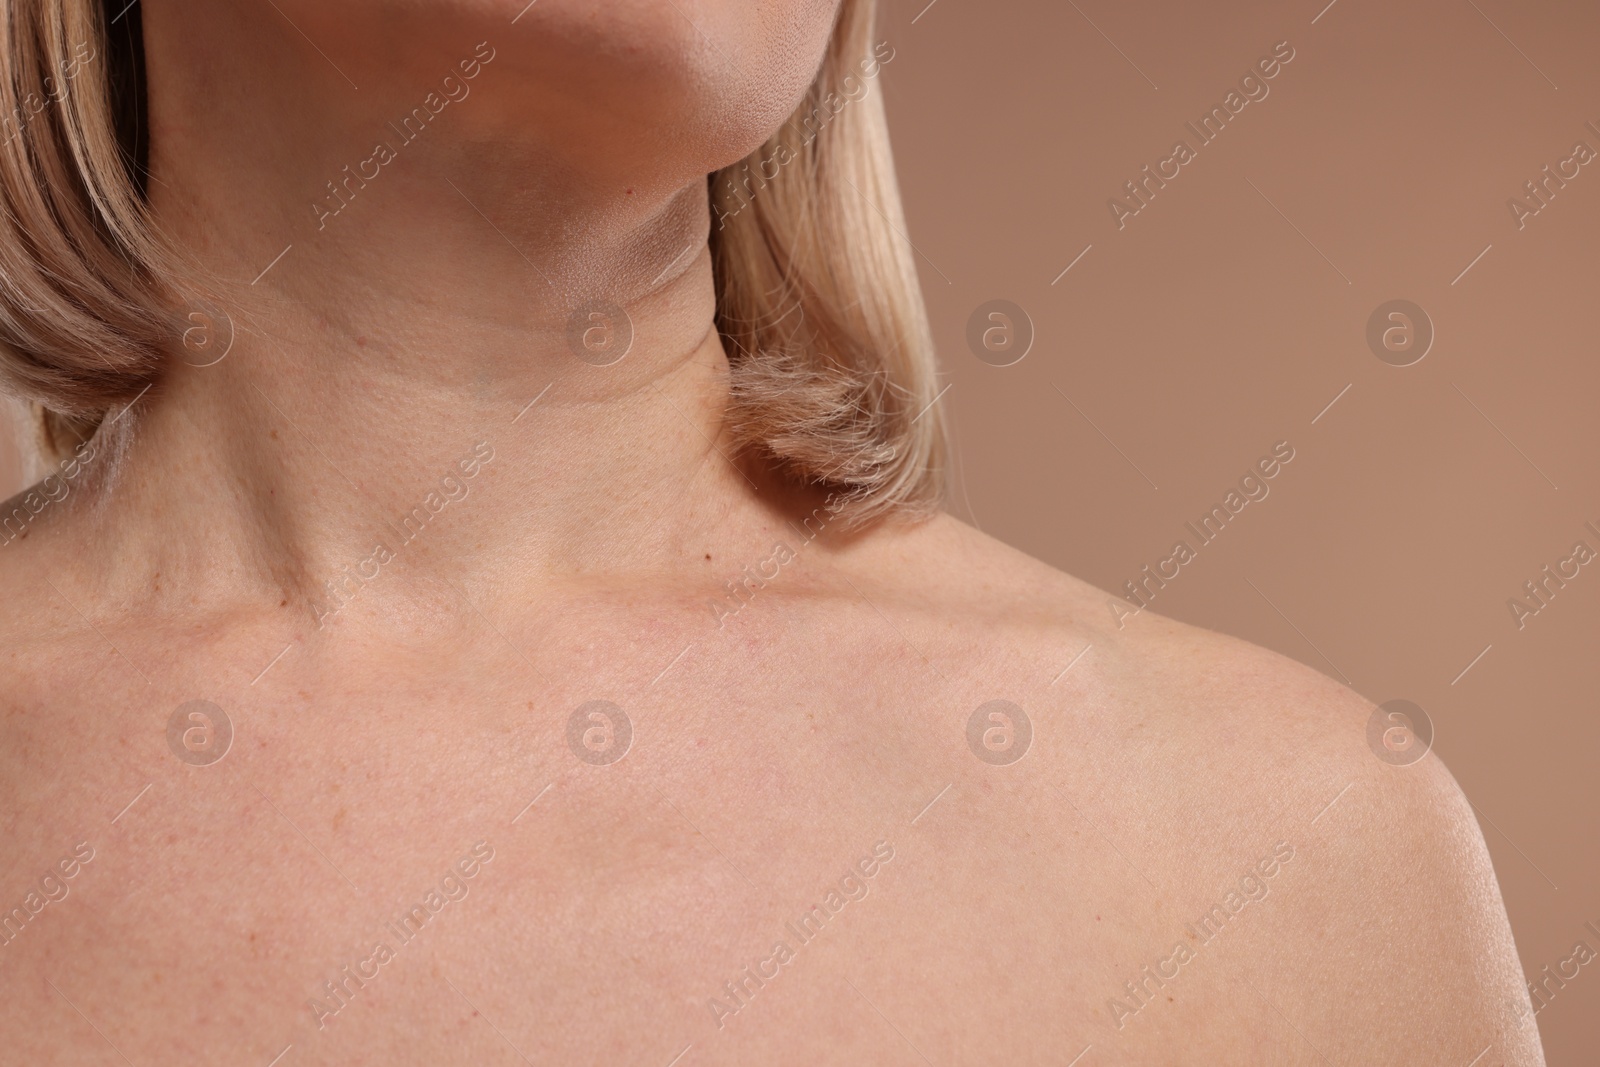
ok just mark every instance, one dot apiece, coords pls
pixel 691 85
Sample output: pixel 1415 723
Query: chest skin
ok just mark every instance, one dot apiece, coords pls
pixel 775 845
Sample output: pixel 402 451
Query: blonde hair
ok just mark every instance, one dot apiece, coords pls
pixel 833 374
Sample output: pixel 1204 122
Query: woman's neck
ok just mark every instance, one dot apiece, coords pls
pixel 462 351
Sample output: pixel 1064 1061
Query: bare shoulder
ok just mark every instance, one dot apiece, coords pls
pixel 1200 757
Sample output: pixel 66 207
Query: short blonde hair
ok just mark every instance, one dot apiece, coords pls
pixel 833 374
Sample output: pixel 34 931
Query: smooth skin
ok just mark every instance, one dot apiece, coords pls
pixel 820 725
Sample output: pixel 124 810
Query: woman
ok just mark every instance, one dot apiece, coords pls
pixel 489 601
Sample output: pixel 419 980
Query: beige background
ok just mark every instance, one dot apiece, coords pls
pixel 1232 310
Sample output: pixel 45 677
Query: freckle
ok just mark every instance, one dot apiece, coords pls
pixel 274 435
pixel 1169 1000
pixel 281 603
pixel 708 555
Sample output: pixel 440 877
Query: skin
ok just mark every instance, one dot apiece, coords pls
pixel 776 740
